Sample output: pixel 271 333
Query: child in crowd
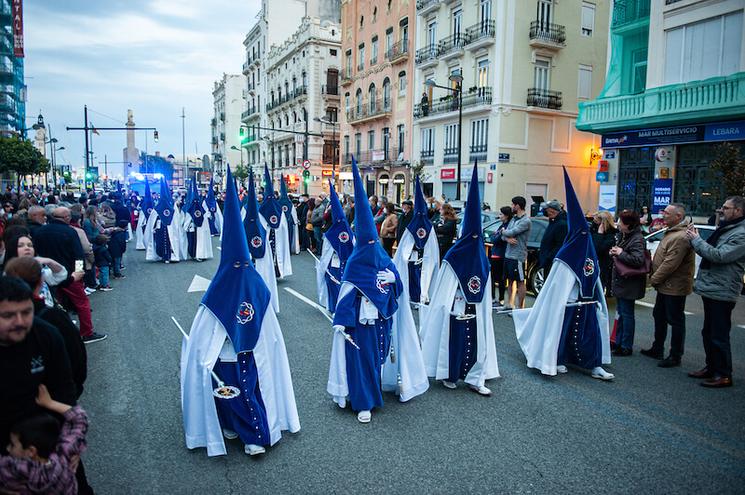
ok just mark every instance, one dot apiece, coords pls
pixel 117 247
pixel 43 458
pixel 103 261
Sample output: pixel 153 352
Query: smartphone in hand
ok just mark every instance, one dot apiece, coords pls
pixel 79 266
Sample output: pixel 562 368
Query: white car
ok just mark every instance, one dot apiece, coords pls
pixel 653 240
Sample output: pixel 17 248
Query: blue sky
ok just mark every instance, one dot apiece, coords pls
pixel 153 57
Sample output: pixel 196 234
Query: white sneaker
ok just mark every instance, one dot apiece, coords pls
pixel 561 369
pixel 482 390
pixel 364 416
pixel 599 373
pixel 342 403
pixel 229 434
pixel 448 384
pixel 89 290
pixel 252 449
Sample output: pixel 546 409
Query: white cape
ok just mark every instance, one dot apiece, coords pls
pixel 327 255
pixel 218 218
pixel 174 235
pixel 198 357
pixel 435 331
pixel 140 235
pixel 281 237
pixel 430 263
pixel 406 375
pixel 295 247
pixel 204 238
pixel 539 328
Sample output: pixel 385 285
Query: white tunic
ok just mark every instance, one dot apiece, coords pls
pixel 430 263
pixel 174 236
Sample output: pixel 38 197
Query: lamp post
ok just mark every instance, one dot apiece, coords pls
pixel 270 142
pixel 54 162
pixel 335 144
pixel 239 150
pixel 458 90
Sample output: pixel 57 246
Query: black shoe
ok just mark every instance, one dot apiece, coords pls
pixel 621 352
pixel 94 337
pixel 652 352
pixel 702 373
pixel 669 362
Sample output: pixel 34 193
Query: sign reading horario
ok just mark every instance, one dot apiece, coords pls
pixel 722 131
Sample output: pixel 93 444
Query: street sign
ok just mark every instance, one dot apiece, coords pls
pixel 504 158
pixel 601 177
pixel 306 164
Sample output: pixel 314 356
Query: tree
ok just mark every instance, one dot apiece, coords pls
pixel 729 162
pixel 240 173
pixel 21 157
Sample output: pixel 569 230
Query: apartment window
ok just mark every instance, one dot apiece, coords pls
pixel 541 74
pixel 584 87
pixel 332 114
pixel 357 144
pixel 358 100
pixel 451 140
pixel 428 142
pixel 479 135
pixel 371 140
pixel 346 146
pixel 372 95
pixel 374 51
pixel 403 28
pixel 387 94
pixel 545 13
pixel 639 70
pixel 388 40
pixel 361 57
pixel 386 141
pixel 402 83
pixel 485 10
pixel 705 49
pixel 455 71
pixel 457 21
pixel 482 74
pixel 401 137
pixel 332 52
pixel 348 63
pixel 588 18
pixel 432 33
pixel 347 102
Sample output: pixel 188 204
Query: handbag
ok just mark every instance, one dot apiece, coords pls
pixel 630 271
pixel 309 227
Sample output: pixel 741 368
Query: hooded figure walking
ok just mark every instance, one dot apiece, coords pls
pixel 163 231
pixel 236 335
pixel 373 312
pixel 215 217
pixel 568 324
pixel 197 230
pixel 290 216
pixel 146 207
pixel 277 234
pixel 457 326
pixel 337 247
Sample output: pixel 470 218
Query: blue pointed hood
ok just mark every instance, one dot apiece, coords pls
pixel 368 256
pixel 339 235
pixel 285 202
pixel 270 208
pixel 578 251
pixel 165 204
pixel 254 231
pixel 420 226
pixel 210 200
pixel 147 202
pixel 467 257
pixel 194 204
pixel 237 295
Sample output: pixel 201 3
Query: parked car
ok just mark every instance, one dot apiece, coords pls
pixel 534 274
pixel 653 240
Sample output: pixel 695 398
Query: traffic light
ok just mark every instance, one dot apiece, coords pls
pixel 306 177
pixel 155 136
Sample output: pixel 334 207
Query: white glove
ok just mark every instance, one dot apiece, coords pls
pixel 386 276
pixel 339 328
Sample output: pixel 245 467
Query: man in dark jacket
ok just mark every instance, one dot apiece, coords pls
pixel 404 218
pixel 553 237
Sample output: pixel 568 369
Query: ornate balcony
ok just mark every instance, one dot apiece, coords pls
pixel 427 56
pixel 369 111
pixel 544 98
pixel 480 35
pixel 452 46
pixel 424 7
pixel 714 99
pixel 472 98
pixel 398 53
pixel 629 12
pixel 346 77
pixel 547 35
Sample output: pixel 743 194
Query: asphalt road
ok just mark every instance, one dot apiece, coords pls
pixel 651 430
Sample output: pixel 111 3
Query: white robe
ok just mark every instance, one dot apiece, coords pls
pixel 204 238
pixel 140 235
pixel 198 357
pixel 328 254
pixel 409 364
pixel 282 246
pixel 265 267
pixel 430 263
pixel 174 235
pixel 295 247
pixel 218 217
pixel 539 328
pixel 435 331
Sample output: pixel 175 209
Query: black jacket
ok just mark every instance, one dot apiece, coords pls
pixel 446 232
pixel 59 241
pixel 553 239
pixel 118 244
pixel 404 219
pixel 634 246
pixel 40 358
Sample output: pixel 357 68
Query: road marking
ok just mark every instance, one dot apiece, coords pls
pixel 199 284
pixel 741 326
pixel 309 302
pixel 650 305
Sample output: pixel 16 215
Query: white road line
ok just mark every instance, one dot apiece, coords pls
pixel 309 302
pixel 650 305
pixel 741 326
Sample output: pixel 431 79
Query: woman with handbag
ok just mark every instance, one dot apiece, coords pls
pixel 631 264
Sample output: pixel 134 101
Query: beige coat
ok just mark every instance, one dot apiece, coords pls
pixel 674 263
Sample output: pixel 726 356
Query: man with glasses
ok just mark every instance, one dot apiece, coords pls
pixel 719 283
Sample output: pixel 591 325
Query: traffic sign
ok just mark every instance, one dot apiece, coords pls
pixel 601 176
pixel 306 164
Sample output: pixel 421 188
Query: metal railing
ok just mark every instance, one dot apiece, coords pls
pixel 452 43
pixel 330 90
pixel 544 98
pixel 628 11
pixel 481 30
pixel 547 32
pixel 427 155
pixel 373 156
pixel 473 97
pixel 397 51
pixel 427 53
pixel 369 110
pixel 450 155
pixel 361 67
pixel 423 4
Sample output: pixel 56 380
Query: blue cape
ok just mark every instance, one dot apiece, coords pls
pixel 285 203
pixel 420 226
pixel 165 204
pixel 339 235
pixel 254 231
pixel 270 207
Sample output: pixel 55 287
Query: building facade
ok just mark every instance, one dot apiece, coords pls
pixel 227 96
pixel 12 85
pixel 522 66
pixel 674 91
pixel 302 81
pixel 376 117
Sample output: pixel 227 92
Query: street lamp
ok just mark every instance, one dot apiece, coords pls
pixel 458 90
pixel 240 150
pixel 270 142
pixel 335 145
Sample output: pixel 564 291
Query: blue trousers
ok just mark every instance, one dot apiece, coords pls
pixel 626 323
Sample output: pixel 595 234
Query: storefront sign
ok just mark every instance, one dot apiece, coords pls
pixel 601 176
pixel 18 28
pixel 325 173
pixel 447 173
pixel 662 193
pixel 378 155
pixel 607 200
pixel 721 131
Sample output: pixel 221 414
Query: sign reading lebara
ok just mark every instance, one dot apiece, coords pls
pixel 722 131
